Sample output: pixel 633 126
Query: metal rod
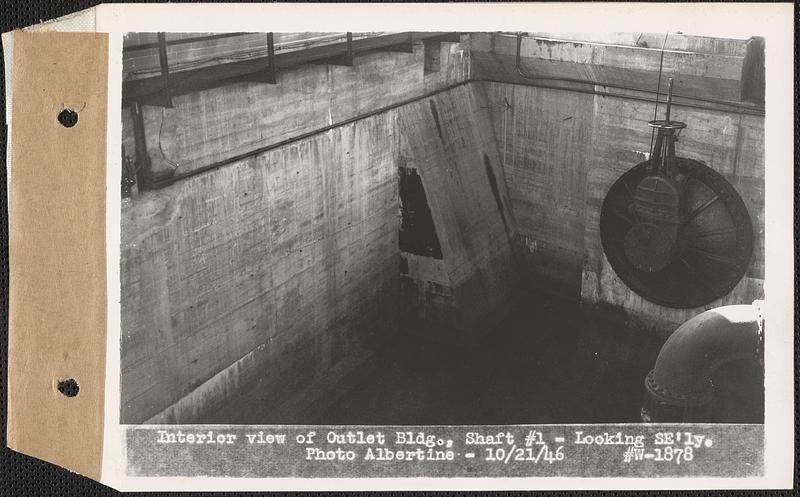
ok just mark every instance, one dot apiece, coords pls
pixel 162 58
pixel 141 158
pixel 669 98
pixel 271 50
pixel 164 62
pixel 267 148
pixel 738 109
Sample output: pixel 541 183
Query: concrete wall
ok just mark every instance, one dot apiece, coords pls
pixel 563 144
pixel 563 150
pixel 732 145
pixel 715 75
pixel 544 140
pixel 449 140
pixel 213 125
pixel 280 268
pixel 672 41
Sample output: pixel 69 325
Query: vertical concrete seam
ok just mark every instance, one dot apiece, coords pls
pixel 738 150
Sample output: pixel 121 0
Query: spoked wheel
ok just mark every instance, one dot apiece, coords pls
pixel 708 258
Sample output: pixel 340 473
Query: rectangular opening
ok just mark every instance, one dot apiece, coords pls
pixel 417 231
pixel 432 56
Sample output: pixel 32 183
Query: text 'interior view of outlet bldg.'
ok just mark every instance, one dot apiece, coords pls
pixel 442 228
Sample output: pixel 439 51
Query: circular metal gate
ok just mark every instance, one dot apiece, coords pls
pixel 702 262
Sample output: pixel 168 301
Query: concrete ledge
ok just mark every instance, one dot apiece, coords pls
pixel 606 291
pixel 711 76
pixel 674 41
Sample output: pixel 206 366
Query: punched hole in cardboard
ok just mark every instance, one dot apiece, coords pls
pixel 68 118
pixel 68 387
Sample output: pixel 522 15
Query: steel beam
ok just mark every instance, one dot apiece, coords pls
pixel 149 90
pixel 164 62
pixel 405 46
pixel 345 59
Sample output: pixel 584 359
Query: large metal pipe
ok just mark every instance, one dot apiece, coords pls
pixel 681 387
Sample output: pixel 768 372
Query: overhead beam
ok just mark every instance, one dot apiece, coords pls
pixel 345 59
pixel 164 63
pixel 526 60
pixel 179 41
pixel 148 90
pixel 269 73
pixel 448 37
pixel 405 46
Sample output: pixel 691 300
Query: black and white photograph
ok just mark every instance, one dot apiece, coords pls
pixel 523 250
pixel 442 228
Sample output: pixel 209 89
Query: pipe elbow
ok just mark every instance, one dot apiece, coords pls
pixel 683 371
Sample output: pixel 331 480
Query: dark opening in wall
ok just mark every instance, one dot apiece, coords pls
pixel 432 56
pixel 753 77
pixel 417 231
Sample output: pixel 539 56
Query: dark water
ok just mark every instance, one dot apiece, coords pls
pixel 548 361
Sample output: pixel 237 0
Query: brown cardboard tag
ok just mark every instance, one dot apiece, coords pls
pixel 57 280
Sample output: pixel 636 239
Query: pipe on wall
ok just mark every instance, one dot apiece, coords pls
pixel 682 377
pixel 166 181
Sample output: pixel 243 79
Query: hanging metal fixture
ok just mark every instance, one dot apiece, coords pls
pixel 674 230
